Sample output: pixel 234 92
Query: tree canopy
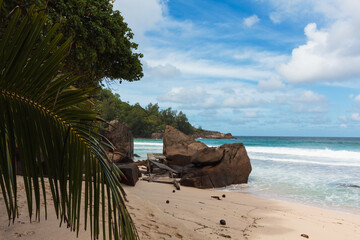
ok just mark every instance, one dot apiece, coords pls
pixel 49 135
pixel 141 121
pixel 102 45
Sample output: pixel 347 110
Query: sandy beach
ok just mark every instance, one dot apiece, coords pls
pixel 193 214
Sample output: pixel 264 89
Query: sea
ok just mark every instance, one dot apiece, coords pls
pixel 317 171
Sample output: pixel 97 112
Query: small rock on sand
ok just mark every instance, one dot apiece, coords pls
pixel 305 235
pixel 222 222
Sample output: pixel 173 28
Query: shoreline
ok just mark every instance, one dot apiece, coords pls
pixel 308 203
pixel 247 216
pixel 193 214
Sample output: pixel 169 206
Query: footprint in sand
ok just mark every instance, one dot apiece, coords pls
pixel 19 235
pixel 178 235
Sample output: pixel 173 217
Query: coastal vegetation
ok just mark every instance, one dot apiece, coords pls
pixel 49 131
pixel 141 121
pixel 101 48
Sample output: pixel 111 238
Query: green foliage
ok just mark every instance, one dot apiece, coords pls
pixel 142 122
pixel 102 46
pixel 47 128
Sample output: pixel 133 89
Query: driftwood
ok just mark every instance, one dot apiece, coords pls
pixel 216 197
pixel 174 182
pixel 163 166
pixel 177 185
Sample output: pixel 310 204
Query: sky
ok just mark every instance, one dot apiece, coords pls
pixel 250 67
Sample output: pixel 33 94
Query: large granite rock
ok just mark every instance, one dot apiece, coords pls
pixel 131 173
pixel 206 156
pixel 122 139
pixel 178 148
pixel 233 168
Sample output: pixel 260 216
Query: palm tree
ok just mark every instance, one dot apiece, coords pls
pixel 48 128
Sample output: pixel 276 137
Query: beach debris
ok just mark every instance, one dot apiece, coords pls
pixel 216 197
pixel 222 222
pixel 202 202
pixel 224 235
pixel 174 191
pixel 177 185
pixel 224 196
pixel 167 201
pixel 304 235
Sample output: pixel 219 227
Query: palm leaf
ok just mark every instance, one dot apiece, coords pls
pixel 46 127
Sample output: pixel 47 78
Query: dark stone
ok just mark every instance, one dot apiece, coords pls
pixel 305 235
pixel 167 201
pixel 122 139
pixel 222 222
pixel 131 172
pixel 233 168
pixel 224 196
pixel 174 191
pixel 178 147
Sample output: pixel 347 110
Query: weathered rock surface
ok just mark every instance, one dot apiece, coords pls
pixel 206 156
pixel 212 135
pixel 178 148
pixel 122 139
pixel 157 135
pixel 119 157
pixel 131 172
pixel 233 168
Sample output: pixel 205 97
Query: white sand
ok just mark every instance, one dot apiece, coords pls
pixel 193 214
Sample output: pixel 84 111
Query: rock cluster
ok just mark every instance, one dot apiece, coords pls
pixel 122 139
pixel 178 147
pixel 212 135
pixel 206 167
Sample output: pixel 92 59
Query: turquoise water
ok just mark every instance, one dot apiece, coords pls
pixel 315 171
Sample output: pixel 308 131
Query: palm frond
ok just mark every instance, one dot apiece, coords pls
pixel 47 128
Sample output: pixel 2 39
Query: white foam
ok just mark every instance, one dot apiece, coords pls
pixel 306 152
pixel 345 164
pixel 139 144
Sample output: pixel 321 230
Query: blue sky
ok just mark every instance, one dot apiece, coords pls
pixel 254 67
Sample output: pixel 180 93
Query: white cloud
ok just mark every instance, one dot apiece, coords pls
pixel 332 53
pixel 355 117
pixel 141 15
pixel 357 98
pixel 189 63
pixel 308 102
pixel 275 17
pixel 240 102
pixel 251 114
pixel 250 21
pixel 271 84
pixel 309 96
pixel 184 95
pixel 343 125
pixel 343 118
pixel 166 71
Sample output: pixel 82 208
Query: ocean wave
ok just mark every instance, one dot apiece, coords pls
pixel 287 160
pixel 139 144
pixel 306 152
